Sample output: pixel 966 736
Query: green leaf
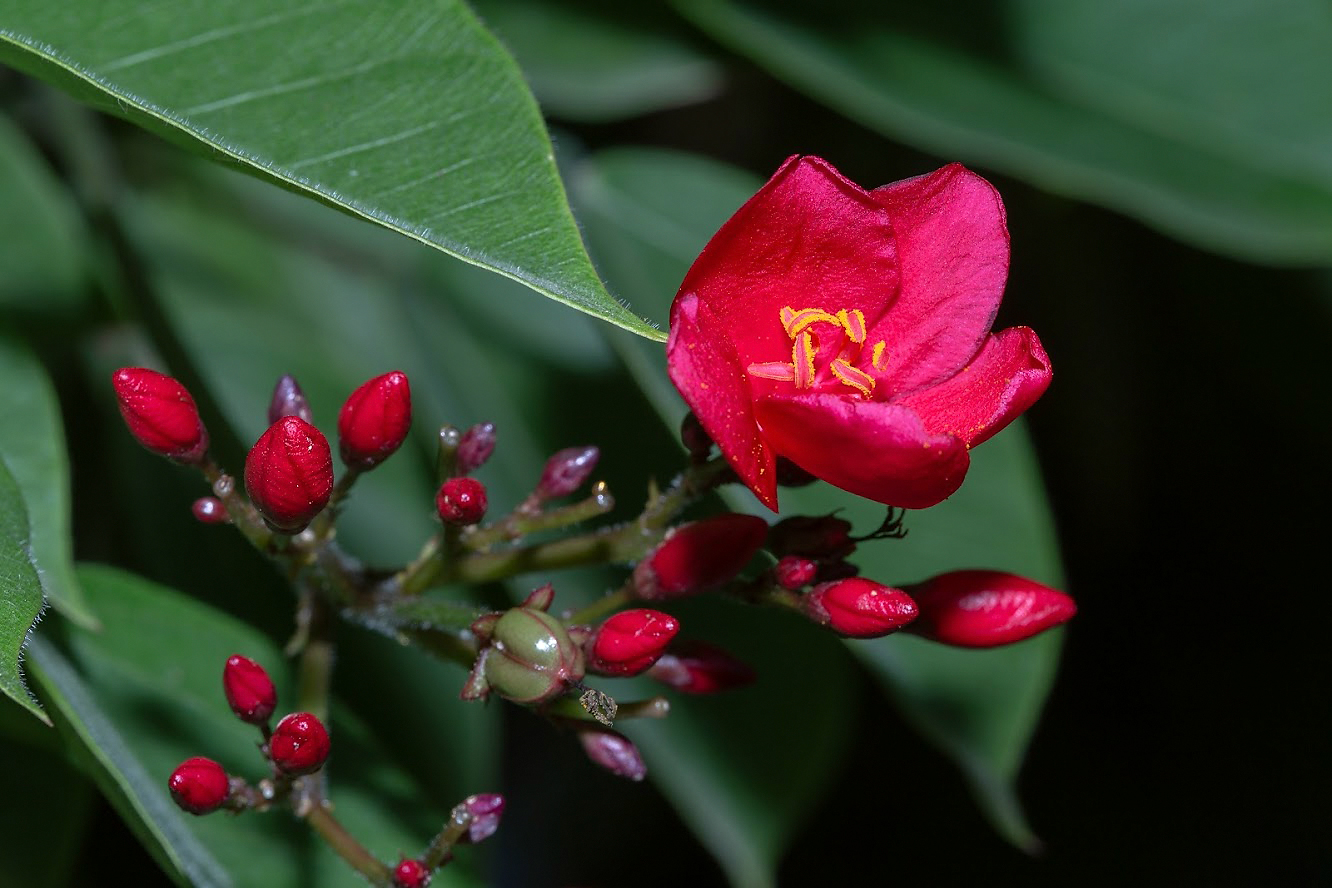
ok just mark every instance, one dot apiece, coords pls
pixel 1179 113
pixel 45 818
pixel 20 593
pixel 600 64
pixel 32 444
pixel 409 115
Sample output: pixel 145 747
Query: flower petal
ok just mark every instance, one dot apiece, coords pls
pixel 703 365
pixel 1010 373
pixel 952 245
pixel 875 450
pixel 808 239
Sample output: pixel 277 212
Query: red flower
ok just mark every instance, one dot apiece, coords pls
pixel 849 331
pixel 987 608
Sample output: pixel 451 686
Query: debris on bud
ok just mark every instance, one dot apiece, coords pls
pixel 289 474
pixel 613 751
pixel 696 667
pixel 461 502
pixel 987 608
pixel 374 420
pixel 299 744
pixel 485 810
pixel 476 446
pixel 630 641
pixel 199 785
pixel 859 608
pixel 566 471
pixel 210 510
pixel 411 873
pixel 249 690
pixel 696 557
pixel 288 400
pixel 793 572
pixel 160 414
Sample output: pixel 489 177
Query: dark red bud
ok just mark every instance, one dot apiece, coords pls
pixel 700 556
pixel 987 608
pixel 199 785
pixel 299 744
pixel 630 641
pixel 475 448
pixel 859 608
pixel 160 414
pixel 210 510
pixel 289 474
pixel 461 502
pixel 696 667
pixel 288 400
pixel 566 471
pixel 695 439
pixel 486 809
pixel 791 475
pixel 250 692
pixel 793 572
pixel 822 536
pixel 374 421
pixel 411 874
pixel 613 751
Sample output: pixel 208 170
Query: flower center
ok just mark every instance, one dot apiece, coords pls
pixel 827 351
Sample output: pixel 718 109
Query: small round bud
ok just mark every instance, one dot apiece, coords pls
pixel 987 608
pixel 160 414
pixel 793 572
pixel 249 690
pixel 210 510
pixel 531 657
pixel 859 608
pixel 476 446
pixel 566 471
pixel 486 809
pixel 199 785
pixel 288 400
pixel 299 744
pixel 695 439
pixel 289 474
pixel 411 874
pixel 613 751
pixel 696 557
pixel 374 421
pixel 818 537
pixel 696 667
pixel 461 502
pixel 631 641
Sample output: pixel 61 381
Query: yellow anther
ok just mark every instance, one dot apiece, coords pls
pixel 777 370
pixel 802 360
pixel 797 322
pixel 853 322
pixel 879 357
pixel 856 378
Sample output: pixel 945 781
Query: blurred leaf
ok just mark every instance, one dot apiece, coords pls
pixel 20 593
pixel 648 214
pixel 601 64
pixel 32 444
pixel 408 115
pixel 41 248
pixel 43 789
pixel 1204 119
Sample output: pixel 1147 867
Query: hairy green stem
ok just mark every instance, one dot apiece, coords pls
pixel 320 817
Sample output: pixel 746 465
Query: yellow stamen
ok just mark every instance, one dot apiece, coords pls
pixel 772 370
pixel 797 322
pixel 853 322
pixel 852 376
pixel 878 358
pixel 802 358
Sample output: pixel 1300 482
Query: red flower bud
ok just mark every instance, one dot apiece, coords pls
pixel 793 572
pixel 289 474
pixel 822 536
pixel 160 414
pixel 199 785
pixel 288 400
pixel 613 751
pixel 859 608
pixel 210 510
pixel 461 502
pixel 250 692
pixel 299 744
pixel 695 667
pixel 566 471
pixel 411 874
pixel 374 421
pixel 475 448
pixel 486 809
pixel 700 556
pixel 986 608
pixel 630 641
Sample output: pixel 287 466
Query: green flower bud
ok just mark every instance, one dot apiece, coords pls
pixel 531 658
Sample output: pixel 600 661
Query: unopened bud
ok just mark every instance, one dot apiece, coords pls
pixel 791 475
pixel 249 690
pixel 485 809
pixel 987 608
pixel 700 556
pixel 461 502
pixel 613 751
pixel 631 641
pixel 696 667
pixel 411 873
pixel 160 414
pixel 859 608
pixel 288 400
pixel 476 446
pixel 566 471
pixel 299 744
pixel 818 537
pixel 695 438
pixel 374 420
pixel 210 510
pixel 199 785
pixel 531 657
pixel 793 572
pixel 289 474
